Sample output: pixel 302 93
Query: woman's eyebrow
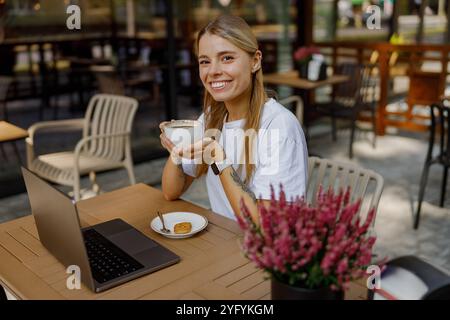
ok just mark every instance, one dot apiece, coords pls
pixel 220 53
pixel 225 52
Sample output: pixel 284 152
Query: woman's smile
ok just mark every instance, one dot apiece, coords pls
pixel 219 86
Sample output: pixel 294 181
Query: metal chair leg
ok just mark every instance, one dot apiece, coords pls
pixel 374 126
pixel 352 138
pixel 333 128
pixel 94 184
pixel 443 186
pixel 129 168
pixel 5 111
pixel 423 183
pixel 16 150
pixel 76 187
pixel 55 108
pixel 41 111
pixel 3 152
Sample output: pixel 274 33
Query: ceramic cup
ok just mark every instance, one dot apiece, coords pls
pixel 183 132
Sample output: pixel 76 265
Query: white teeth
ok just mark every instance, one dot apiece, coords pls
pixel 218 84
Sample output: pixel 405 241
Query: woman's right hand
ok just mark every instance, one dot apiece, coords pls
pixel 193 151
pixel 165 142
pixel 175 153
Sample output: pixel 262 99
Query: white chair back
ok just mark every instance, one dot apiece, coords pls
pixel 364 183
pixel 108 115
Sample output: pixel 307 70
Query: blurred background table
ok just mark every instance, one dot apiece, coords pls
pixel 291 78
pixel 11 133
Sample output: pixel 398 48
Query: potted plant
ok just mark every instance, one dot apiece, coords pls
pixel 310 252
pixel 302 57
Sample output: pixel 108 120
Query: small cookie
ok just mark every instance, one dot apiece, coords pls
pixel 182 227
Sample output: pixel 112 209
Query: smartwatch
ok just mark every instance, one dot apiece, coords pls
pixel 218 167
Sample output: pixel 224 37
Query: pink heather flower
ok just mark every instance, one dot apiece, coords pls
pixel 342 266
pixel 340 232
pixel 305 53
pixel 293 238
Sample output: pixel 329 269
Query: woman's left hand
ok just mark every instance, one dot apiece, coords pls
pixel 213 152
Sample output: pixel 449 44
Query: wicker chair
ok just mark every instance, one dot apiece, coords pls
pixel 105 144
pixel 332 174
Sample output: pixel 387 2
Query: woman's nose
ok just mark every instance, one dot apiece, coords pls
pixel 215 68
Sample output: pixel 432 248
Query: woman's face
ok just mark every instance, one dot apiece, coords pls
pixel 225 70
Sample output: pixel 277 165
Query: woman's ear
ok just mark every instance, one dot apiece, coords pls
pixel 257 61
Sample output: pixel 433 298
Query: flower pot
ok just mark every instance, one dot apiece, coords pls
pixel 302 69
pixel 282 291
pixel 323 72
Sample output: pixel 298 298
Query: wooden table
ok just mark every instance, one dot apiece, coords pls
pixel 291 78
pixel 212 265
pixel 11 133
pixel 304 88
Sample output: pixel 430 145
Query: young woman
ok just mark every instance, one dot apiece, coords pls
pixel 270 146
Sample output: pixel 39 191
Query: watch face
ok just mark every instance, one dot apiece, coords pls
pixel 215 169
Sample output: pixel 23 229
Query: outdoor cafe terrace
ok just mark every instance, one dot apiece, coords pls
pixel 390 87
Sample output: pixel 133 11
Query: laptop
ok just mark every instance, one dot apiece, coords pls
pixel 108 254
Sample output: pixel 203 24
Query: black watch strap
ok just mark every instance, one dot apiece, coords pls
pixel 215 169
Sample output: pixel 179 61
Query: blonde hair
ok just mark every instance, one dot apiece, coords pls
pixel 238 32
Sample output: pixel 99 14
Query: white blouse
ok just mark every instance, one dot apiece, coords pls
pixel 280 156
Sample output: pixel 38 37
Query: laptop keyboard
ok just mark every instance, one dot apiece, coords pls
pixel 106 259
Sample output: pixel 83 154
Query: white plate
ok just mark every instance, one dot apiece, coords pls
pixel 172 218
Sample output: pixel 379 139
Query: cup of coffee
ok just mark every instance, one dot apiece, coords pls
pixel 183 132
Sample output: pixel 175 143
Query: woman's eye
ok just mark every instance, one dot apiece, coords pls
pixel 227 58
pixel 203 62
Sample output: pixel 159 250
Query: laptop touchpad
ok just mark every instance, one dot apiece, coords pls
pixel 132 241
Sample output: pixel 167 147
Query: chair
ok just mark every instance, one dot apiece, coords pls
pixel 425 88
pixel 350 98
pixel 299 106
pixel 105 144
pixel 333 174
pixel 411 278
pixel 440 121
pixel 369 98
